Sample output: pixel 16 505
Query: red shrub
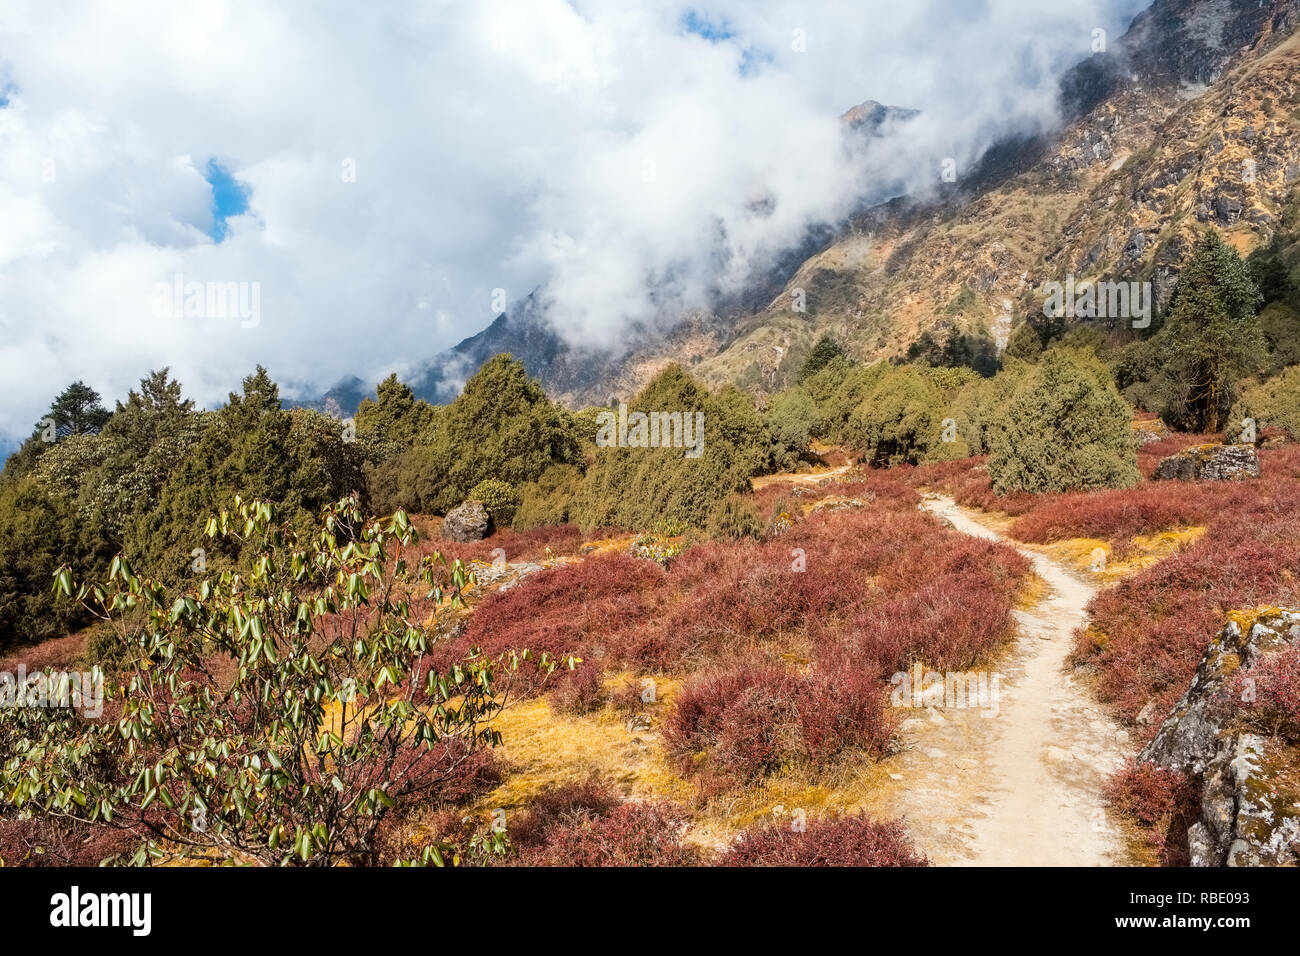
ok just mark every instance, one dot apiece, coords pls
pixel 1162 802
pixel 560 807
pixel 947 606
pixel 1146 509
pixel 1158 622
pixel 532 545
pixel 586 825
pixel 885 574
pixel 847 841
pixel 42 841
pixel 1269 692
pixel 60 653
pixel 578 691
pixel 734 726
pixel 571 608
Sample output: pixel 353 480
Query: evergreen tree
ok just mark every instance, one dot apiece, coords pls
pixel 395 415
pixel 1025 343
pixel 1065 429
pixel 826 350
pixel 901 420
pixel 639 487
pixel 1211 338
pixel 78 411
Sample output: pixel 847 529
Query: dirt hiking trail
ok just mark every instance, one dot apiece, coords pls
pixel 1018 784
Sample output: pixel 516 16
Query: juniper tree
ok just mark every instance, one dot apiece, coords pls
pixel 1066 428
pixel 821 355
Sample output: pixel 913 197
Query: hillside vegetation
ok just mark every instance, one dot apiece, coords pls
pixel 643 656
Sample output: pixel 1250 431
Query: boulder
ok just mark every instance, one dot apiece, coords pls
pixel 466 522
pixel 1148 430
pixel 1210 463
pixel 1247 817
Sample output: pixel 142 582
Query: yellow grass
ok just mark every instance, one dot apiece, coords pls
pixel 618 543
pixel 545 750
pixel 1147 549
pixel 1033 590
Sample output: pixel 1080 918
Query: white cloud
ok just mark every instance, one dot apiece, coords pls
pixel 595 147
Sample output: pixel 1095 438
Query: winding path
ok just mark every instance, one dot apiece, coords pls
pixel 1021 787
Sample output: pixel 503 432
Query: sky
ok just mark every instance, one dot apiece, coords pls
pixel 336 188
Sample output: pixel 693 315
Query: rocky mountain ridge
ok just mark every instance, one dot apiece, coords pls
pixel 1189 120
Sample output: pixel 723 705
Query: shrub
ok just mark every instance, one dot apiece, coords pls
pixel 1269 693
pixel 979 406
pixel 558 807
pixel 736 725
pixel 50 841
pixel 792 419
pixel 1066 428
pixel 586 606
pixel 578 691
pixel 900 420
pixel 1115 514
pixel 1280 324
pixel 950 347
pixel 500 500
pixel 536 544
pixel 1163 803
pixel 1149 631
pixel 395 415
pixel 839 389
pixel 234 679
pixel 632 487
pixel 735 517
pixel 77 500
pixel 825 351
pixel 1274 403
pixel 549 499
pixel 501 426
pixel 296 459
pixel 920 588
pixel 586 825
pixel 846 841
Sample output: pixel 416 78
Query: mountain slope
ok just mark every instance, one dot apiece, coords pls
pixel 1162 128
pixel 1190 120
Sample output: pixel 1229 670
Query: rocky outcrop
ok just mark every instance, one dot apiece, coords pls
pixel 466 522
pixel 836 503
pixel 1247 818
pixel 1210 463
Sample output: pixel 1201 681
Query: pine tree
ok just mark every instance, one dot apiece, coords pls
pixel 395 415
pixel 78 411
pixel 1211 337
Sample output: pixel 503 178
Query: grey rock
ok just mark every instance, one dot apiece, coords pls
pixel 1227 209
pixel 1210 463
pixel 1242 820
pixel 1136 244
pixel 1150 430
pixel 466 522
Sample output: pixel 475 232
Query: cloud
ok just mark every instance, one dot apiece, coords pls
pixel 400 165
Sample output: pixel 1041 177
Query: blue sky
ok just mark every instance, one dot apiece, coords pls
pixel 701 24
pixel 719 30
pixel 229 197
